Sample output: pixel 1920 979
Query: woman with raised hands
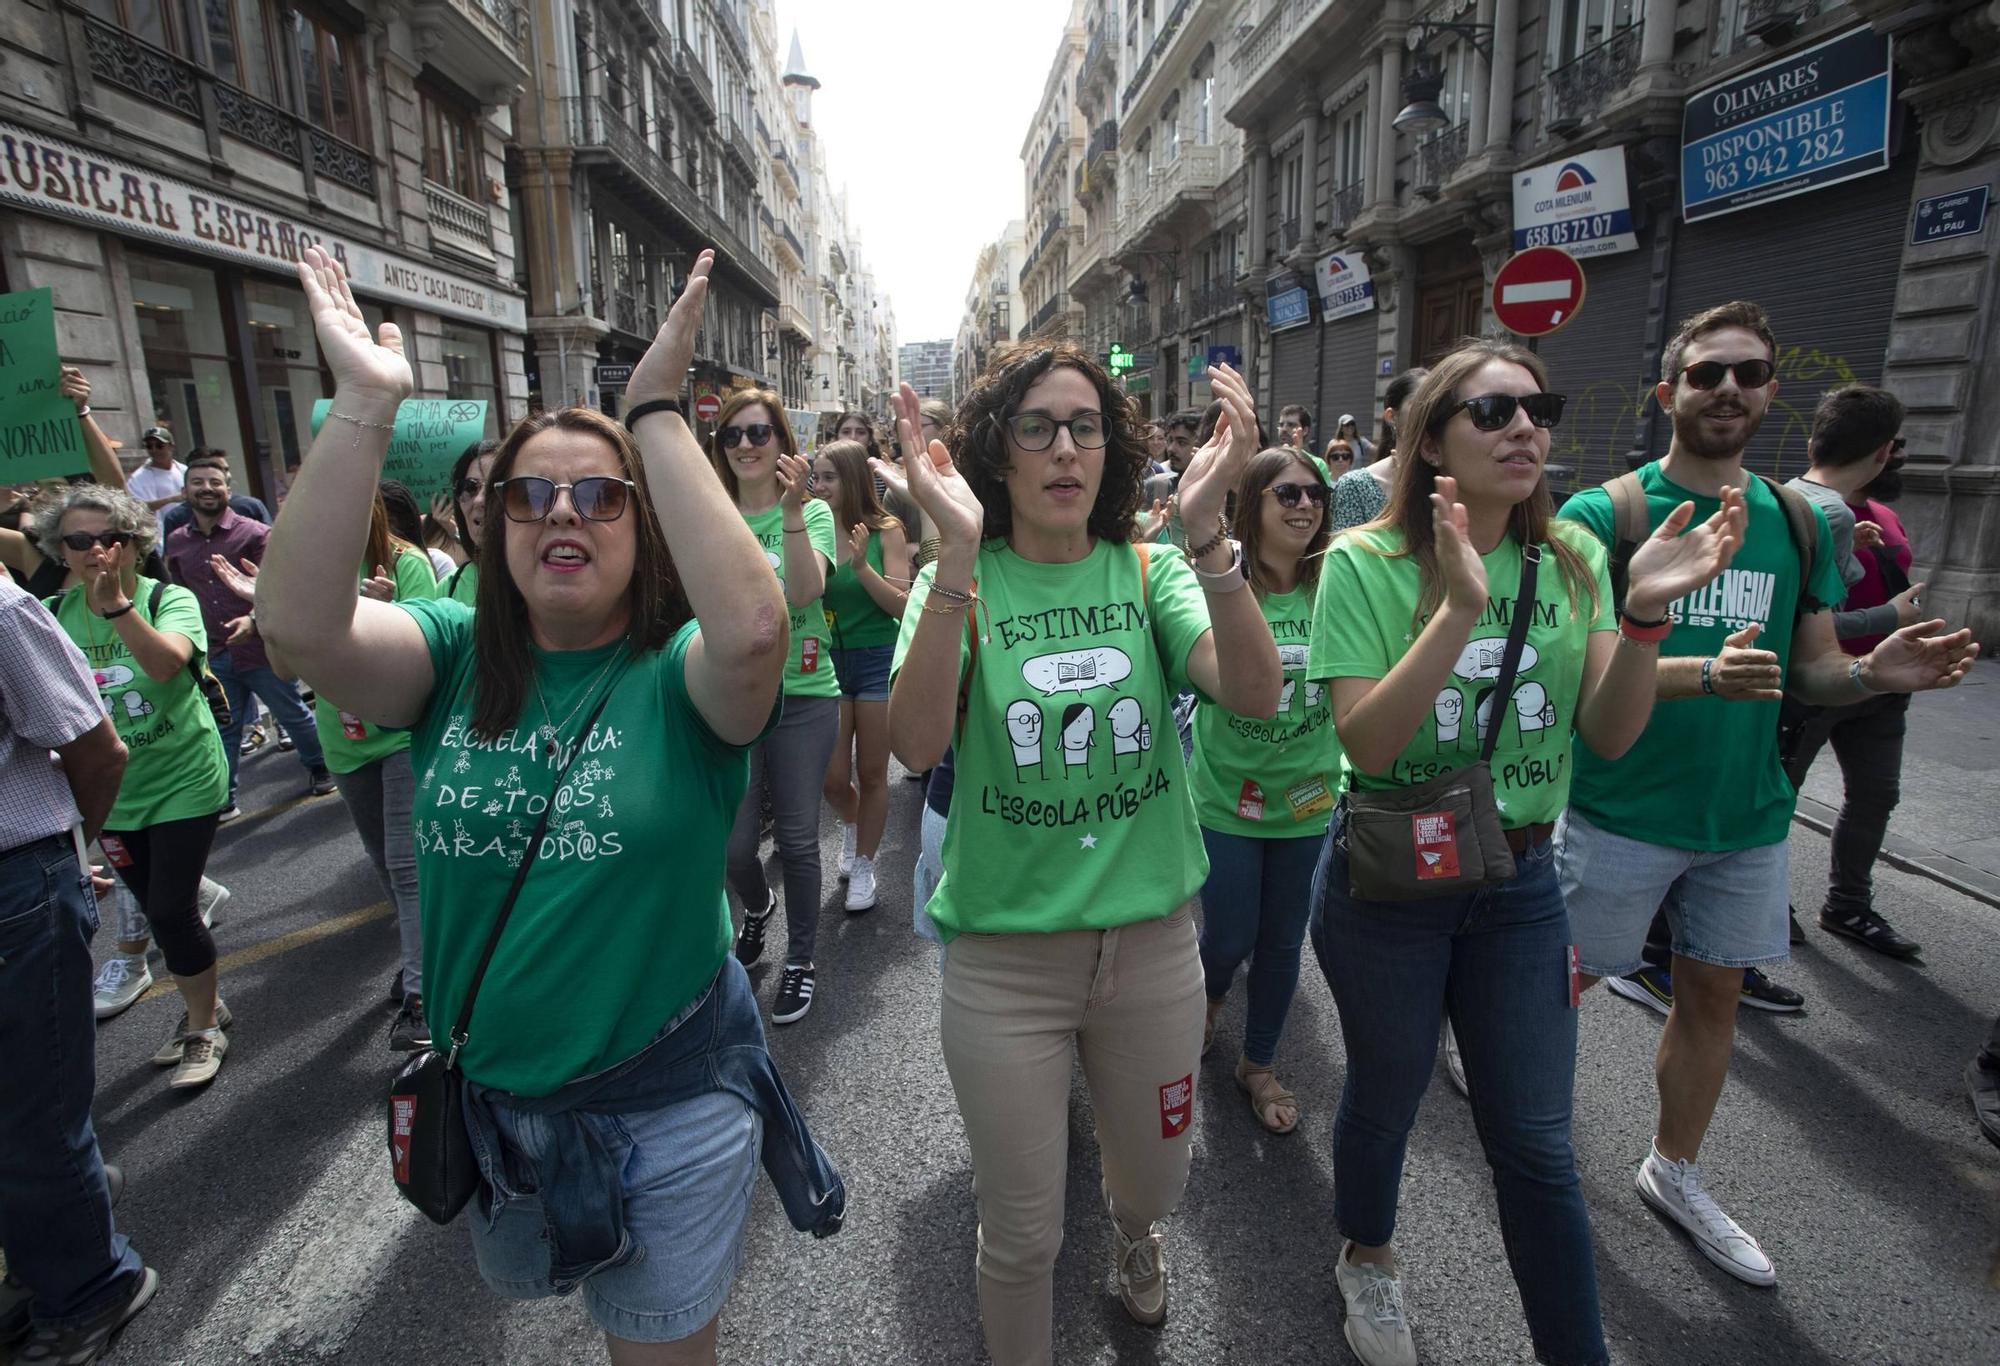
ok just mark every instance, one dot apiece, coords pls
pixel 1047 648
pixel 591 720
pixel 758 459
pixel 1412 631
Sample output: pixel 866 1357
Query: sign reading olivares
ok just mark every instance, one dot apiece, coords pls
pixel 1810 119
pixel 50 176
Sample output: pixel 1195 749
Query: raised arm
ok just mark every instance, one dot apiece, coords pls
pixel 367 657
pixel 104 466
pixel 890 594
pixel 805 563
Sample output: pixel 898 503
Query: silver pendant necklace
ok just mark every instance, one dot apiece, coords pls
pixel 550 729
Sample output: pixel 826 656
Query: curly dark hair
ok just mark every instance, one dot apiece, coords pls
pixel 979 447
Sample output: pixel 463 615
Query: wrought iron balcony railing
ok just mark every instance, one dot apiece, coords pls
pixel 1581 89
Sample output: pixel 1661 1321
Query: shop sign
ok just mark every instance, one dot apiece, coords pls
pixel 1810 119
pixel 1139 382
pixel 1581 204
pixel 48 175
pixel 430 435
pixel 1960 214
pixel 1286 304
pixel 1345 288
pixel 40 437
pixel 613 376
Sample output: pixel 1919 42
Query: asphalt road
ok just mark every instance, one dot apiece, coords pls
pixel 1843 1140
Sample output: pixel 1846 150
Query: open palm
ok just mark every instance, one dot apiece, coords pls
pixel 1672 563
pixel 934 482
pixel 359 362
pixel 662 371
pixel 1214 469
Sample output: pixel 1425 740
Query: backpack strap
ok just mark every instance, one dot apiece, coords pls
pixel 1631 524
pixel 1805 534
pixel 451 580
pixel 971 660
pixel 197 660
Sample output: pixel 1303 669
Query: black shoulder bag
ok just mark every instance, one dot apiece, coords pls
pixel 1443 836
pixel 430 1154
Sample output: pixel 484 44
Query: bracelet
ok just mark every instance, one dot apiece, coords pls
pixel 1229 580
pixel 1644 632
pixel 1854 677
pixel 951 593
pixel 789 527
pixel 83 412
pixel 950 610
pixel 1707 675
pixel 113 616
pixel 654 405
pixel 1221 535
pixel 372 426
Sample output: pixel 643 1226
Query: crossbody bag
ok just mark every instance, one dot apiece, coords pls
pixel 1443 836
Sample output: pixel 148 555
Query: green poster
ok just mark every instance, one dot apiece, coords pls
pixel 431 433
pixel 40 437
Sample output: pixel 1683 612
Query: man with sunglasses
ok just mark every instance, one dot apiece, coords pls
pixel 1697 814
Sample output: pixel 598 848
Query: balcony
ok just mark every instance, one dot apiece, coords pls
pixel 1164 35
pixel 1775 22
pixel 1347 205
pixel 736 143
pixel 1056 143
pixel 1289 232
pixel 1100 55
pixel 1437 157
pixel 1259 72
pixel 1210 300
pixel 1044 315
pixel 1172 315
pixel 694 80
pixel 165 81
pixel 1158 199
pixel 475 42
pixel 731 29
pixel 1100 159
pixel 459 224
pixel 793 321
pixel 1580 90
pixel 783 163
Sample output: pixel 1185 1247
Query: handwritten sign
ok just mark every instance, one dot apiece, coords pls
pixel 431 433
pixel 40 437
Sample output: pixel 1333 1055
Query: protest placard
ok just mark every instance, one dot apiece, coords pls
pixel 430 435
pixel 40 437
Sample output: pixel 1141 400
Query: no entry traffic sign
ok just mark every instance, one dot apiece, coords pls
pixel 1538 291
pixel 707 407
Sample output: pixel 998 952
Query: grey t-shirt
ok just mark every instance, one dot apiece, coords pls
pixel 1879 620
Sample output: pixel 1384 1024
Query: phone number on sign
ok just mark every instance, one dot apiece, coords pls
pixel 1574 230
pixel 1760 160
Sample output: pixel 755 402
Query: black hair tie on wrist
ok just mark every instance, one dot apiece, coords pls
pixel 655 405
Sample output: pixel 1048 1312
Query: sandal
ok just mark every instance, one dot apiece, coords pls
pixel 1267 1096
pixel 1208 1027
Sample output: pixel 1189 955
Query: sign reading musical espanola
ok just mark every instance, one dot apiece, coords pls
pixel 48 175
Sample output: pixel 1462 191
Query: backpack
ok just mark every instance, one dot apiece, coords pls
pixel 1632 524
pixel 205 683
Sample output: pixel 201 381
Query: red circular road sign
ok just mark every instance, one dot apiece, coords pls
pixel 707 407
pixel 1538 291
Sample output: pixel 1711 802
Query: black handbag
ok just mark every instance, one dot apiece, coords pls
pixel 430 1154
pixel 1443 836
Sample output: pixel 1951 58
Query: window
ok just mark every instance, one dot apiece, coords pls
pixel 1170 128
pixel 151 20
pixel 468 369
pixel 327 72
pixel 1577 26
pixel 663 122
pixel 1350 146
pixel 239 45
pixel 451 143
pixel 1456 97
pixel 1291 188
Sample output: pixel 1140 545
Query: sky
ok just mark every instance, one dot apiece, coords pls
pixel 922 109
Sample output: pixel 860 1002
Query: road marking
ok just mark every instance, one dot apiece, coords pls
pixel 284 943
pixel 1536 291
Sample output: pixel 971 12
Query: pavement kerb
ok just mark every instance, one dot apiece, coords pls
pixel 1911 857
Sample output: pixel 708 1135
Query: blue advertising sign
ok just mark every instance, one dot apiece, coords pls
pixel 1959 214
pixel 1811 119
pixel 1226 355
pixel 1286 304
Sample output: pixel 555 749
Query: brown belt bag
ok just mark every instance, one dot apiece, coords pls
pixel 1444 836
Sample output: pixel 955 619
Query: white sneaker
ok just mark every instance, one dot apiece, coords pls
pixel 1375 1326
pixel 212 895
pixel 1141 1264
pixel 1675 1190
pixel 201 1059
pixel 848 835
pixel 861 885
pixel 1454 1065
pixel 120 982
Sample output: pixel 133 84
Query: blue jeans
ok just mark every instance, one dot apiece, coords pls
pixel 55 1208
pixel 285 704
pixel 1255 906
pixel 1497 959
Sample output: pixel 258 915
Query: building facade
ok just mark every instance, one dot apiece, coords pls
pixel 163 165
pixel 992 316
pixel 1050 155
pixel 926 368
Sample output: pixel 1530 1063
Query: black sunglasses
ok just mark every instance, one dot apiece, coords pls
pixel 1491 412
pixel 758 432
pixel 1037 431
pixel 83 540
pixel 1896 446
pixel 530 498
pixel 1750 374
pixel 469 487
pixel 1288 494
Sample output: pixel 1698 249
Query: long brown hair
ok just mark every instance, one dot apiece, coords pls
pixel 858 502
pixel 979 445
pixel 781 429
pixel 1262 472
pixel 503 646
pixel 384 545
pixel 1409 510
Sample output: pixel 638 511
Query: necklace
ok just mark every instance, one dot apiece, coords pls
pixel 550 728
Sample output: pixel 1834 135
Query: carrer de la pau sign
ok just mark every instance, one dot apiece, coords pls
pixel 48 175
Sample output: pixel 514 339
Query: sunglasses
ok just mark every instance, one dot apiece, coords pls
pixel 530 498
pixel 469 487
pixel 1288 494
pixel 1037 431
pixel 1896 446
pixel 759 434
pixel 1491 412
pixel 1750 374
pixel 83 540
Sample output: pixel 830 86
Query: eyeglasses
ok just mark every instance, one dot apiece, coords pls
pixel 759 434
pixel 83 540
pixel 1896 446
pixel 1750 374
pixel 1288 494
pixel 1491 412
pixel 531 498
pixel 469 487
pixel 1037 431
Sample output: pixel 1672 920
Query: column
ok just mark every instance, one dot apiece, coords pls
pixel 1484 86
pixel 1656 44
pixel 1260 195
pixel 1499 129
pixel 1389 93
pixel 1309 209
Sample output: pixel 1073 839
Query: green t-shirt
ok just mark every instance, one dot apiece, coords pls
pixel 175 769
pixel 1071 809
pixel 1706 774
pixel 349 742
pixel 853 619
pixel 1366 621
pixel 809 672
pixel 1275 779
pixel 461 585
pixel 600 940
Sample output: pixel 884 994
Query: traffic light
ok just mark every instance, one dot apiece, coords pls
pixel 1119 360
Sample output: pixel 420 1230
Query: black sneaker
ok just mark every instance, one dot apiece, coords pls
pixel 1649 986
pixel 1761 993
pixel 1866 927
pixel 750 939
pixel 17 1311
pixel 1982 1083
pixel 396 989
pixel 1798 931
pixel 795 994
pixel 322 784
pixel 83 1345
pixel 410 1031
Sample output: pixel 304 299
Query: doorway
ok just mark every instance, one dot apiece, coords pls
pixel 1451 298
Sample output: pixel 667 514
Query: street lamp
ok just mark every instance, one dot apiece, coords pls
pixel 1421 112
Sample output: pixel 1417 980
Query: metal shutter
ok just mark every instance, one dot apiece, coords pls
pixel 1598 362
pixel 1294 353
pixel 1347 376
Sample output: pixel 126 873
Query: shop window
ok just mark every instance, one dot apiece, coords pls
pixel 451 143
pixel 285 355
pixel 468 369
pixel 154 21
pixel 328 69
pixel 184 343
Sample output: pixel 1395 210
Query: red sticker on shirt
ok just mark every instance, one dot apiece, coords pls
pixel 809 655
pixel 1434 835
pixel 1250 801
pixel 352 726
pixel 115 850
pixel 402 1119
pixel 1176 1106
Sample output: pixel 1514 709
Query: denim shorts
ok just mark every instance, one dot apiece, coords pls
pixel 1727 907
pixel 688 1172
pixel 863 672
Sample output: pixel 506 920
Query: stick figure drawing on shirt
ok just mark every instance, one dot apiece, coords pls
pixel 1448 707
pixel 1129 732
pixel 1024 732
pixel 1078 724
